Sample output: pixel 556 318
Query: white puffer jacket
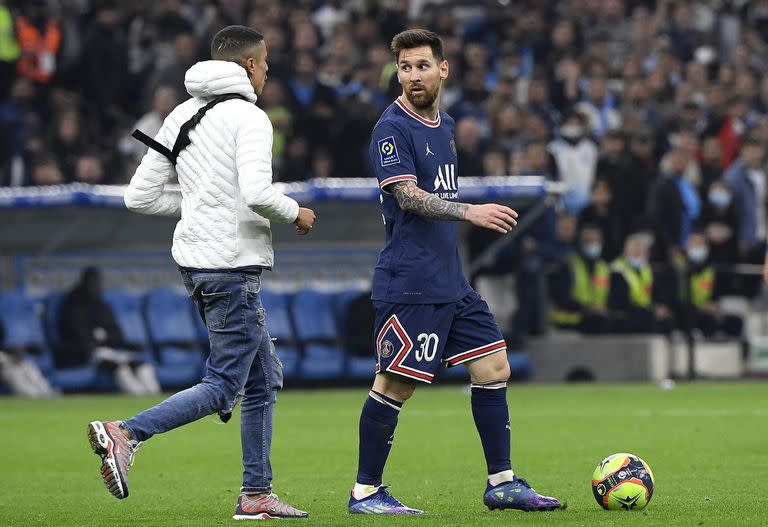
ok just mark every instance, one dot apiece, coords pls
pixel 225 175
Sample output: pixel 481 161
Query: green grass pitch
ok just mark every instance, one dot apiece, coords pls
pixel 707 444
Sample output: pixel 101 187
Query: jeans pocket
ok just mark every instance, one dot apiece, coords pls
pixel 277 367
pixel 216 306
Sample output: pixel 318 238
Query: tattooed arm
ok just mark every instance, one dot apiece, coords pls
pixel 412 199
pixel 490 216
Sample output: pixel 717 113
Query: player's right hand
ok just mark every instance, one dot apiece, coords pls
pixel 492 216
pixel 304 221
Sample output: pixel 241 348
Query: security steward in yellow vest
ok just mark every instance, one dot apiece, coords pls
pixel 579 288
pixel 698 292
pixel 639 300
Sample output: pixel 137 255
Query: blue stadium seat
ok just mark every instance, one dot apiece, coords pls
pixel 127 310
pixel 175 339
pixel 279 326
pixel 22 322
pixel 356 367
pixel 362 367
pixel 318 333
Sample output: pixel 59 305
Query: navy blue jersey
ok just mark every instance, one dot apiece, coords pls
pixel 420 261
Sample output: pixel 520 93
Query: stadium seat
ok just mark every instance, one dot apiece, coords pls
pixel 359 363
pixel 174 337
pixel 279 326
pixel 23 328
pixel 127 310
pixel 318 333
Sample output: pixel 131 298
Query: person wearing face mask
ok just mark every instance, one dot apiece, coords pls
pixel 579 289
pixel 698 291
pixel 638 298
pixel 575 157
pixel 720 223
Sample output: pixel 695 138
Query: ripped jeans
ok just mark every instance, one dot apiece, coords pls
pixel 242 363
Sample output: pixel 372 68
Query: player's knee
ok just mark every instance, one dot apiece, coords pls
pixel 393 388
pixel 494 368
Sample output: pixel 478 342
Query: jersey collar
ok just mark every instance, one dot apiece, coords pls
pixel 411 113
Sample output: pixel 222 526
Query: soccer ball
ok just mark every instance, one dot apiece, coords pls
pixel 622 481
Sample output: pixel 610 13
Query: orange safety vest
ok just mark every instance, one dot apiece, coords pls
pixel 38 52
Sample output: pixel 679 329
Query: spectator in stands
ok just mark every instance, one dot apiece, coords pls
pixel 710 163
pixel 675 202
pixel 67 141
pixel 39 38
pixel 603 213
pixel 720 223
pixel 164 99
pixel 9 50
pixel 22 374
pixel 598 107
pixel 732 129
pixel 90 334
pixel 46 171
pixel 537 257
pixel 89 169
pixel 576 160
pixel 641 174
pixel 699 291
pixel 535 160
pixel 747 179
pixel 312 103
pixel 495 163
pixel 579 287
pixel 639 299
pixel 469 148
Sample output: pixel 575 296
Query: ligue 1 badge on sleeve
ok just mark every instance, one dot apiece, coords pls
pixel 453 146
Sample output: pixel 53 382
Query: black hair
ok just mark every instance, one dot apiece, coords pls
pixel 232 42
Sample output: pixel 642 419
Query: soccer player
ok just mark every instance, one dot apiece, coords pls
pixel 426 312
pixel 221 244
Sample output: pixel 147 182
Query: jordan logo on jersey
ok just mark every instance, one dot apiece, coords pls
pixel 446 180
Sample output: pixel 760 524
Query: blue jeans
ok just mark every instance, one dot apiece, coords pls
pixel 242 364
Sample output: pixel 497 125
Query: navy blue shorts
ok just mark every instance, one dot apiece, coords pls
pixel 413 340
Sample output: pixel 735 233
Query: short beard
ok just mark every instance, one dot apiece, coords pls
pixel 426 99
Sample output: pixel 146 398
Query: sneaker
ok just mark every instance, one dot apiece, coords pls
pixel 265 507
pixel 380 502
pixel 110 442
pixel 518 494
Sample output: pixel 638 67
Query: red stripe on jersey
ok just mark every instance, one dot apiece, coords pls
pixel 422 120
pixel 398 179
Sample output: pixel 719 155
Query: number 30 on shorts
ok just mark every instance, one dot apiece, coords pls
pixel 428 349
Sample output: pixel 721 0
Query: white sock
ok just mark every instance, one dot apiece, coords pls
pixel 500 477
pixel 363 491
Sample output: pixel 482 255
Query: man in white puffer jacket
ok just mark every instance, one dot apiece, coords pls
pixel 221 243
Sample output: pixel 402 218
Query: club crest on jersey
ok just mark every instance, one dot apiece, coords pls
pixel 386 349
pixel 388 151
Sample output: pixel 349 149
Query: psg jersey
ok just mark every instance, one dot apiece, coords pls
pixel 420 262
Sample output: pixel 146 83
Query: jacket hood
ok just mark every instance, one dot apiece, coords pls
pixel 211 78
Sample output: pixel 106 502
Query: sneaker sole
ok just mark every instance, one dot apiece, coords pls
pixel 103 445
pixel 266 516
pixel 526 509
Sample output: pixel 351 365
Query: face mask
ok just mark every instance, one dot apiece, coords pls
pixel 570 131
pixel 592 250
pixel 698 254
pixel 636 263
pixel 720 198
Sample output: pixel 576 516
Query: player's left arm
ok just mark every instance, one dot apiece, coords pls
pixel 146 193
pixel 490 216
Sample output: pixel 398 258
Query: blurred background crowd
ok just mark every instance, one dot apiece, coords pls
pixel 653 113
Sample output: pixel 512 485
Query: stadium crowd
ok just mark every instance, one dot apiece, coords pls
pixel 654 113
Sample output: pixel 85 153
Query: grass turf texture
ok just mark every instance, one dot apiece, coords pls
pixel 705 443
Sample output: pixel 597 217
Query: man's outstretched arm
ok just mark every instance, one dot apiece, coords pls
pixel 490 216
